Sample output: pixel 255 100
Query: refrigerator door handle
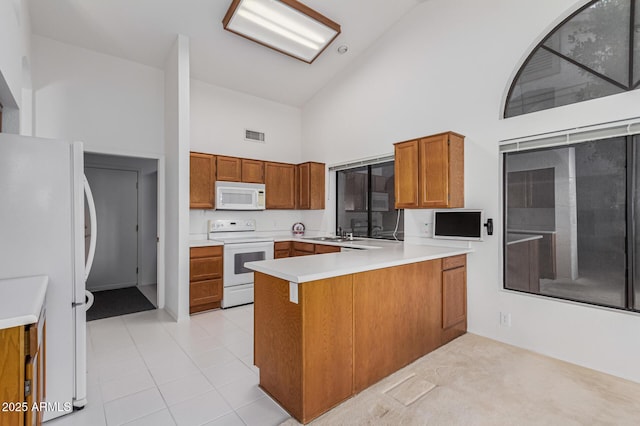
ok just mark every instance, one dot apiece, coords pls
pixel 94 227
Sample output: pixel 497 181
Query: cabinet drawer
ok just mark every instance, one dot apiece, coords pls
pixel 206 251
pixel 322 248
pixel 302 253
pixel 205 268
pixel 282 245
pixel 205 292
pixel 454 262
pixel 280 254
pixel 308 247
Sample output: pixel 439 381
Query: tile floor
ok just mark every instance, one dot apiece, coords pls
pixel 146 369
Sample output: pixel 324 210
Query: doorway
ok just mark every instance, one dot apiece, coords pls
pixel 123 278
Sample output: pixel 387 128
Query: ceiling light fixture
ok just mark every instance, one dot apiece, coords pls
pixel 287 26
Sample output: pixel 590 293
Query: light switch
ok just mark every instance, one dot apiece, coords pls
pixel 293 292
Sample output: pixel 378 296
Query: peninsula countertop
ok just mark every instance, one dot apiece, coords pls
pixel 21 300
pixel 377 255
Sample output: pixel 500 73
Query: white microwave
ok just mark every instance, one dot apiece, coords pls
pixel 240 196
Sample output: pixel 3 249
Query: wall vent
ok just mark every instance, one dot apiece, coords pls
pixel 253 136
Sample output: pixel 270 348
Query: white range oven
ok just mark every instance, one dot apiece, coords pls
pixel 241 245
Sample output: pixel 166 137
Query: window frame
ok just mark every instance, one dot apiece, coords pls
pixel 541 45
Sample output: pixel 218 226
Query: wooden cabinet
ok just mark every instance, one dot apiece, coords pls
pixel 323 248
pixel 406 174
pixel 311 358
pixel 229 169
pixel 281 249
pixel 303 249
pixel 454 297
pixel 22 373
pixel 429 172
pixel 310 185
pixel 202 179
pixel 233 169
pixel 279 179
pixel 205 278
pixel 252 171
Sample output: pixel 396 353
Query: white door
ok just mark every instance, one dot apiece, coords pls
pixel 116 198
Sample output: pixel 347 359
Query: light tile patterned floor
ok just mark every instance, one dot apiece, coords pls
pixel 146 369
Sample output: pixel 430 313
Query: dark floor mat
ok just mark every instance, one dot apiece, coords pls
pixel 113 303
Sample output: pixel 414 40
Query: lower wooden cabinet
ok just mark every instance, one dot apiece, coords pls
pixel 323 248
pixel 454 297
pixel 205 278
pixel 22 373
pixel 303 249
pixel 281 249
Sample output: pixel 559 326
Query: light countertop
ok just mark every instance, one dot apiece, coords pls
pixel 364 243
pixel 310 268
pixel 21 300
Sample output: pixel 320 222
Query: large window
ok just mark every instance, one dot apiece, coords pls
pixel 365 202
pixel 593 53
pixel 571 215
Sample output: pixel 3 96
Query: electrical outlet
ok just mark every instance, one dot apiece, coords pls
pixel 426 228
pixel 505 319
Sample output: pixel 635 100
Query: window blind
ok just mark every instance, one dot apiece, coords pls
pixel 572 136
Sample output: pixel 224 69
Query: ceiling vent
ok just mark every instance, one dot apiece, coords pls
pixel 253 136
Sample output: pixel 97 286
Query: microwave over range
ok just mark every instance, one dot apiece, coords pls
pixel 240 196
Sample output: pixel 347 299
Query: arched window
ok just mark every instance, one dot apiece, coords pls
pixel 593 53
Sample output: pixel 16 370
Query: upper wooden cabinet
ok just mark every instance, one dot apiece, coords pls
pixel 310 184
pixel 429 172
pixel 202 169
pixel 252 171
pixel 229 169
pixel 279 179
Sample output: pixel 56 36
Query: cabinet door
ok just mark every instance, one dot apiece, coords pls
pixel 406 174
pixel 454 297
pixel 202 171
pixel 310 185
pixel 252 171
pixel 205 295
pixel 442 171
pixel 205 268
pixel 280 185
pixel 229 169
pixel 303 193
pixel 434 171
pixel 281 249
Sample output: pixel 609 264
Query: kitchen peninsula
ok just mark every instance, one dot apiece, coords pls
pixel 328 326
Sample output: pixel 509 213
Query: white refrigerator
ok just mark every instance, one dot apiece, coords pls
pixel 42 232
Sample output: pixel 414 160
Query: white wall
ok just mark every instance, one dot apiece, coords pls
pixel 219 118
pixel 176 124
pixel 447 66
pixel 111 104
pixel 15 39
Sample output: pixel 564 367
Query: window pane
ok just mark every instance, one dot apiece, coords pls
pixel 636 48
pixel 365 202
pixel 566 223
pixel 353 186
pixel 548 81
pixel 636 260
pixel 598 38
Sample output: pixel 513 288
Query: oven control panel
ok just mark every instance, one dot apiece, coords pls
pixel 226 225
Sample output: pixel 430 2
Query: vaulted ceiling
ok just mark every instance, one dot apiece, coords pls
pixel 144 31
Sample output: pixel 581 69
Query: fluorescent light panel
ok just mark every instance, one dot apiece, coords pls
pixel 283 25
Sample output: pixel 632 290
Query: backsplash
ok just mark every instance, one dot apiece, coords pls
pixel 266 220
